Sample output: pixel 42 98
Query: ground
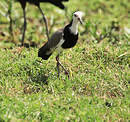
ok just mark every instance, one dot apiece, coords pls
pixel 99 65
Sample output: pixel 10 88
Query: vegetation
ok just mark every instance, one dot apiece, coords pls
pixel 99 84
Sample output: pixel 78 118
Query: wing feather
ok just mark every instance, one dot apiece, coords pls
pixel 47 49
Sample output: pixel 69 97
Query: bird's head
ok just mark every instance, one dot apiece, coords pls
pixel 77 16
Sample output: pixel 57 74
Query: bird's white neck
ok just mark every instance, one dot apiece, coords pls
pixel 74 27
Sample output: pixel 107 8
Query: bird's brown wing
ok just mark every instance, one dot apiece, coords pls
pixel 55 39
pixel 47 49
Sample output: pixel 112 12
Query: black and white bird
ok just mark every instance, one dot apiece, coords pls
pixel 64 38
pixel 23 3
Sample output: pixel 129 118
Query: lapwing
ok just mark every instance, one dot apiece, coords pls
pixel 57 3
pixel 64 38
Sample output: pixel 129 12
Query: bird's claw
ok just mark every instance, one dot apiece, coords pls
pixel 67 73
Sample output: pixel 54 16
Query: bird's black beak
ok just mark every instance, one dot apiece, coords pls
pixel 80 20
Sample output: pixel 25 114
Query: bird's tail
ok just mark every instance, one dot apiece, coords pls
pixel 43 53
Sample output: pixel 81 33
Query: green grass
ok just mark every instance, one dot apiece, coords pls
pixel 98 88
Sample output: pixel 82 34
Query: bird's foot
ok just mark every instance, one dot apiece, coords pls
pixel 59 64
pixel 67 73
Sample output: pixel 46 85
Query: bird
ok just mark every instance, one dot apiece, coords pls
pixel 57 3
pixel 63 38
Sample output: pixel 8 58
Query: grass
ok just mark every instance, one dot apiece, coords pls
pixel 98 88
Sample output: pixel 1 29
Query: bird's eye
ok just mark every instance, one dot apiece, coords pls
pixel 75 15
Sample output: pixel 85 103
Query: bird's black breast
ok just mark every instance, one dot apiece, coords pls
pixel 70 39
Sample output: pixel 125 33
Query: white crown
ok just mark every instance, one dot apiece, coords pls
pixel 79 13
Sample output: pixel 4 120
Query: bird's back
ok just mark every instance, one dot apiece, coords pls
pixel 57 3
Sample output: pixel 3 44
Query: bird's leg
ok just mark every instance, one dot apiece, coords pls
pixel 11 28
pixel 45 21
pixel 58 68
pixel 59 64
pixel 11 20
pixel 24 29
pixel 66 72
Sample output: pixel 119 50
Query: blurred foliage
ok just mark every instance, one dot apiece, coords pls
pixel 103 19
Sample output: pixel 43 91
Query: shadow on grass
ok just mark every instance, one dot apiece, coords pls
pixel 40 78
pixel 37 80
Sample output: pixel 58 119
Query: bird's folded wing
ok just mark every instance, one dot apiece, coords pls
pixel 55 39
